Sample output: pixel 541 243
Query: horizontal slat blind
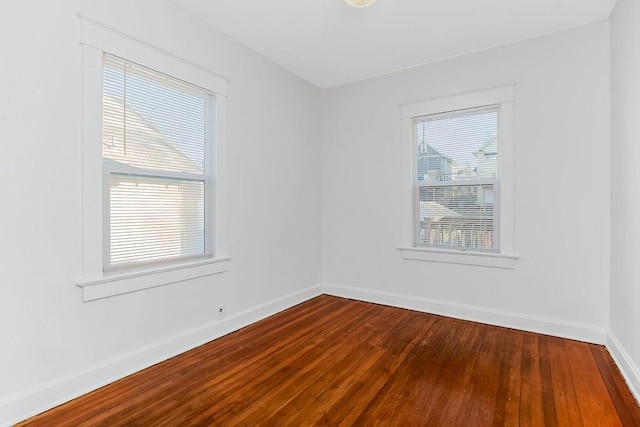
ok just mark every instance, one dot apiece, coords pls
pixel 155 136
pixel 457 179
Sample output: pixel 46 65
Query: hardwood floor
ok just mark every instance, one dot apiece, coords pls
pixel 332 361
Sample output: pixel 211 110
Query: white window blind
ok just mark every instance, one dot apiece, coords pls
pixel 157 142
pixel 457 180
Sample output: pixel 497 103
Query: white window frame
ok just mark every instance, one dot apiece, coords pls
pixel 96 281
pixel 505 256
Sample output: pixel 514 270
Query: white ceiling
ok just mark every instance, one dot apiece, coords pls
pixel 329 43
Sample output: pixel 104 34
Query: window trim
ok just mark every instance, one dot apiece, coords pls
pixel 505 257
pixel 95 281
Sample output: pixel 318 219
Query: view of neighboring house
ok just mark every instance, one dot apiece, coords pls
pixel 487 158
pixel 433 165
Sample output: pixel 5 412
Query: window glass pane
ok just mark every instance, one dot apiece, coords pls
pixel 457 216
pixel 459 145
pixel 152 121
pixel 154 219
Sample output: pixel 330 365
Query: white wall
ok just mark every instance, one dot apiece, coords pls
pixel 53 345
pixel 625 180
pixel 560 282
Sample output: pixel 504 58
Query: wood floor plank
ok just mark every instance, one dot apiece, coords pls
pixel 486 382
pixel 564 391
pixel 427 386
pixel 333 361
pixel 589 386
pixel 331 385
pixel 455 401
pixel 626 407
pixel 508 397
pixel 309 367
pixel 416 375
pixel 548 397
pixel 397 344
pixel 447 386
pixel 532 411
pixel 313 384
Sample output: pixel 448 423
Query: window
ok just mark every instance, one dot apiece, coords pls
pixel 457 179
pixel 157 133
pixel 151 127
pixel 459 203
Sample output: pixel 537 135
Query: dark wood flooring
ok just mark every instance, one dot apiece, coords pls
pixel 333 361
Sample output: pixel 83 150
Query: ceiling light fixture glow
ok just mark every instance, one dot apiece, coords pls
pixel 360 3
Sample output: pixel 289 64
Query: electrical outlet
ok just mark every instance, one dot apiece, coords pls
pixel 220 312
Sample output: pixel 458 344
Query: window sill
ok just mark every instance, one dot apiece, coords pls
pixel 93 289
pixel 482 259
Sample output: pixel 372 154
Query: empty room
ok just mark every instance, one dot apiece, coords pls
pixel 320 212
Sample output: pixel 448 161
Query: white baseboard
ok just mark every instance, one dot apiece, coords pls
pixel 629 369
pixel 538 324
pixel 23 405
